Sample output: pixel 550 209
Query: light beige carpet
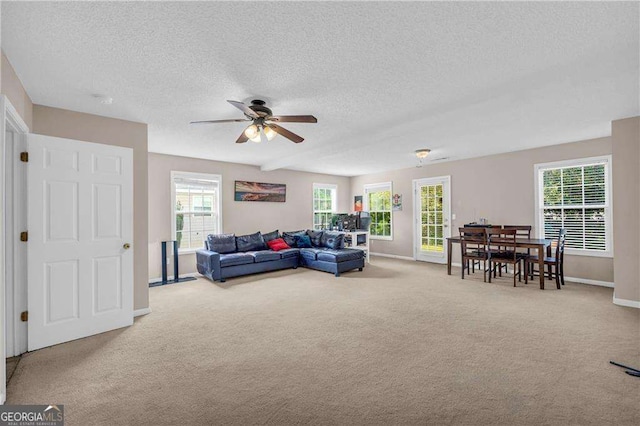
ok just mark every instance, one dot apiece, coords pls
pixel 400 343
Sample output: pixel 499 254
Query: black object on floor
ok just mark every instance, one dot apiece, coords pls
pixel 176 277
pixel 629 370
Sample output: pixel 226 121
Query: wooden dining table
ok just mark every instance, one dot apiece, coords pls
pixel 539 244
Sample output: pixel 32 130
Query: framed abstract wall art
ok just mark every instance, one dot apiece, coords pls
pixel 260 191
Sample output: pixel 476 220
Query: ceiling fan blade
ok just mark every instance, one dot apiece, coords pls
pixel 245 109
pixel 232 120
pixel 294 119
pixel 286 133
pixel 242 138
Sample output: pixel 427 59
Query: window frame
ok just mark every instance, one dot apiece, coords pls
pixel 365 206
pixel 608 206
pixel 191 175
pixel 334 200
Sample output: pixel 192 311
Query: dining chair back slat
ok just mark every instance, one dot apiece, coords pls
pixel 522 231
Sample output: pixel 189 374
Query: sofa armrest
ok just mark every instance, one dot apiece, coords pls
pixel 208 263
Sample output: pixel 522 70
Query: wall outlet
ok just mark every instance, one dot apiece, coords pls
pixel 453 216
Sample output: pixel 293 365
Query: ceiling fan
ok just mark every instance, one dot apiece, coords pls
pixel 263 127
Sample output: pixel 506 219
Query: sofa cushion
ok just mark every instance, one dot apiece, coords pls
pixel 278 244
pixel 310 253
pixel 264 255
pixel 233 259
pixel 290 237
pixel 332 240
pixel 342 255
pixel 315 237
pixel 251 242
pixel 221 243
pixel 290 252
pixel 269 236
pixel 303 241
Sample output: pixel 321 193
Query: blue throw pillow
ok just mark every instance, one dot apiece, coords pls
pixel 303 241
pixel 222 243
pixel 290 237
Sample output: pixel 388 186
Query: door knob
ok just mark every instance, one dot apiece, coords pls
pixel 126 246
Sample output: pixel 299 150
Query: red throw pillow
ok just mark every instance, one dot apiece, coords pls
pixel 277 244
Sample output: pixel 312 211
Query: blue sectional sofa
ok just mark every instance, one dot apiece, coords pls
pixel 227 255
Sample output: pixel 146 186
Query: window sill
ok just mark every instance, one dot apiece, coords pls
pixel 377 237
pixel 587 253
pixel 187 251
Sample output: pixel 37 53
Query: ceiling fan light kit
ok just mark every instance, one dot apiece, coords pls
pixel 263 127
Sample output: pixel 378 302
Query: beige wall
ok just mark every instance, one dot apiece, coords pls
pixel 625 135
pixel 12 88
pixel 498 187
pixel 109 131
pixel 237 217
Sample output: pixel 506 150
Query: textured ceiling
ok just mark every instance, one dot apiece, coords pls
pixel 384 79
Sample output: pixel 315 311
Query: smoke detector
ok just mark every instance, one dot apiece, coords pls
pixel 103 99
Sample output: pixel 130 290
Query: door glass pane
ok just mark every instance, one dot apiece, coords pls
pixel 432 227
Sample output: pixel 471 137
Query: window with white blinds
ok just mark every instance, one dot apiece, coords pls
pixel 196 201
pixel 576 195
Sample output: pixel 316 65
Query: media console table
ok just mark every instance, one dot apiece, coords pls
pixel 352 240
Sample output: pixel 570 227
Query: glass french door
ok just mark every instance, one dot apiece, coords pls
pixel 432 218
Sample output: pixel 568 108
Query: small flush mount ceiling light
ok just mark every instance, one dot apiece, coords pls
pixel 421 154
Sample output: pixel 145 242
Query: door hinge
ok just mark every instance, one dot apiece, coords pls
pixel 24 236
pixel 24 157
pixel 24 316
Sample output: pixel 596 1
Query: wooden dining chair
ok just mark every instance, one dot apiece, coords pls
pixel 473 246
pixel 522 231
pixel 502 249
pixel 554 264
pixel 477 262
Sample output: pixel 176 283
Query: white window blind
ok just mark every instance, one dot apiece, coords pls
pixel 575 195
pixel 196 202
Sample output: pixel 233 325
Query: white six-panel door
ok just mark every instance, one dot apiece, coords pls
pixel 80 224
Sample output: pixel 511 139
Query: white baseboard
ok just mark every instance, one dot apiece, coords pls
pixel 589 282
pixel 392 256
pixel 191 274
pixel 627 303
pixel 140 312
pixel 570 279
